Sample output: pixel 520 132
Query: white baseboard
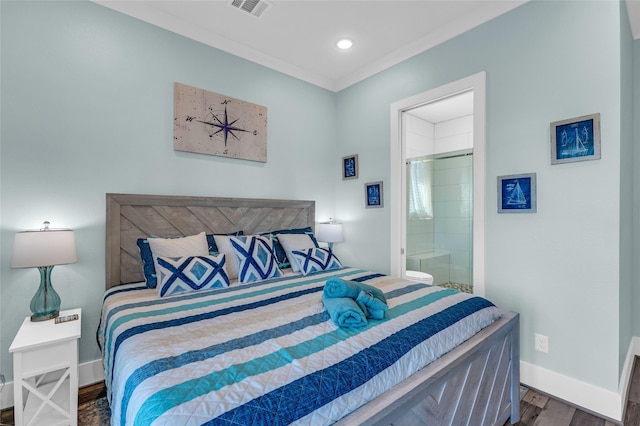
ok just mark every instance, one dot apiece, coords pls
pixel 88 373
pixel 592 398
pixel 576 392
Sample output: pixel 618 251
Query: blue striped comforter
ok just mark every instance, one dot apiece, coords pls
pixel 268 353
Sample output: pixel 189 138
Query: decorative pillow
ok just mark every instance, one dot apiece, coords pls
pixel 281 255
pixel 194 245
pixel 316 259
pixel 213 247
pixel 182 274
pixel 292 242
pixel 149 268
pixel 224 247
pixel 256 260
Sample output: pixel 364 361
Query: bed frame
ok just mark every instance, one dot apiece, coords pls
pixel 477 383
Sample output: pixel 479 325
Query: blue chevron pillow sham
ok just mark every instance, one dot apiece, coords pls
pixel 192 273
pixel 316 260
pixel 256 260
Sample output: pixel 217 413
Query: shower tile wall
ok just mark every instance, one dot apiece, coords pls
pixel 453 212
pixel 420 236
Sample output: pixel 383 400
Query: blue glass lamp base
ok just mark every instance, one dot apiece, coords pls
pixel 45 304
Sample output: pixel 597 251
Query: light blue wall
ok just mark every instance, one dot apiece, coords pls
pixel 627 253
pixel 545 61
pixel 87 108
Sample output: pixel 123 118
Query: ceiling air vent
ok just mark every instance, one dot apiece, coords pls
pixel 252 7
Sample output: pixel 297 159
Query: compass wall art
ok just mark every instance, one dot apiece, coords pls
pixel 214 124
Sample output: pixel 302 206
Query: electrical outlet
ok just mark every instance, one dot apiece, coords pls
pixel 542 343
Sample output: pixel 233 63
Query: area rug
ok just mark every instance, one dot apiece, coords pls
pixel 95 413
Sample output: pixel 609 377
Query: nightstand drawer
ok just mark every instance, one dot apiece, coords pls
pixel 49 358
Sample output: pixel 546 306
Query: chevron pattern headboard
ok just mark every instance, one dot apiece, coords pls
pixel 130 217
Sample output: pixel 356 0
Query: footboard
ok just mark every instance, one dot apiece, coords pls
pixel 477 383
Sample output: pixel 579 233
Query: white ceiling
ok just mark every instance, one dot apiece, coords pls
pixel 445 109
pixel 298 37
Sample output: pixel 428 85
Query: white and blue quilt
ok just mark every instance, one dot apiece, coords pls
pixel 267 353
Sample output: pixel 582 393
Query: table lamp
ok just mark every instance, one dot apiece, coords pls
pixel 43 249
pixel 330 232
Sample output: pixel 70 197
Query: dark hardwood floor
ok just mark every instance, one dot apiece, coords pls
pixel 540 410
pixel 632 412
pixel 535 408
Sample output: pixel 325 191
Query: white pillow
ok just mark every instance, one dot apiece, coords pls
pixel 225 247
pixel 291 242
pixel 194 245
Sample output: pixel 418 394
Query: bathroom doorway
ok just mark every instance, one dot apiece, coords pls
pixel 440 218
pixel 438 184
pixel 438 139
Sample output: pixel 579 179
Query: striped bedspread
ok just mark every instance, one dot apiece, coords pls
pixel 268 353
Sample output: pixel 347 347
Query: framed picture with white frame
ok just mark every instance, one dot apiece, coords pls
pixel 373 195
pixel 517 193
pixel 575 139
pixel 350 167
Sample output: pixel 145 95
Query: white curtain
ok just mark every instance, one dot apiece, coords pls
pixel 419 193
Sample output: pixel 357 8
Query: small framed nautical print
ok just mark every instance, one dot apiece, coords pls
pixel 373 195
pixel 517 193
pixel 350 167
pixel 575 139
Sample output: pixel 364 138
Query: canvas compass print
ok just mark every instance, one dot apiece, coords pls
pixel 517 193
pixel 214 124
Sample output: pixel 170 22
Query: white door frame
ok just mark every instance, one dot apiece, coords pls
pixel 477 83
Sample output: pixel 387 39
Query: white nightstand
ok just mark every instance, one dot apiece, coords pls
pixel 45 372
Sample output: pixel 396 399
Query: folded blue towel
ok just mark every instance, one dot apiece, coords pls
pixel 371 305
pixel 344 312
pixel 335 287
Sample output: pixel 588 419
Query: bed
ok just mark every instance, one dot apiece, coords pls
pixel 267 352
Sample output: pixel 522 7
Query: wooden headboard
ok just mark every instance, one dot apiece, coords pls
pixel 130 217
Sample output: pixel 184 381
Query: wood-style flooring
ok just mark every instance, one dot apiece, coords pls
pixel 541 410
pixel 632 411
pixel 536 409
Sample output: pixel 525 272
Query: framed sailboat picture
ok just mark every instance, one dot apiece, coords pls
pixel 517 193
pixel 575 139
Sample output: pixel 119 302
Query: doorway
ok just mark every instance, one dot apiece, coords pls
pixel 403 249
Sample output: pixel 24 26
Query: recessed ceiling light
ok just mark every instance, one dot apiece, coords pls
pixel 344 44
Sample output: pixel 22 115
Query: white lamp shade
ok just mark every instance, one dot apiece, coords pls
pixel 330 232
pixel 32 249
